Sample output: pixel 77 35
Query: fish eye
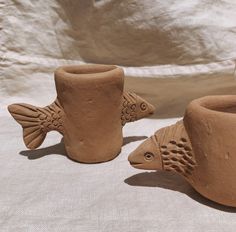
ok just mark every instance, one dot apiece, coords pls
pixel 143 106
pixel 148 156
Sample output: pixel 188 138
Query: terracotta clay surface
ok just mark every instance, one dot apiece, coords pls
pixel 201 148
pixel 89 112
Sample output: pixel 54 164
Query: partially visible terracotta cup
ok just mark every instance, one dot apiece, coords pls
pixel 89 112
pixel 201 148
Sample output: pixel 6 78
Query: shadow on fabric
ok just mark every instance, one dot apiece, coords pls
pixel 59 148
pixel 175 182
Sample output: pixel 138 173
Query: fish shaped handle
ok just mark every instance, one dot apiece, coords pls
pixel 168 149
pixel 37 122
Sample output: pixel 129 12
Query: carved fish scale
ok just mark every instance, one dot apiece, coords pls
pixel 175 149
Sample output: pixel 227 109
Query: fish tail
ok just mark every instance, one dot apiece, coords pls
pixel 36 121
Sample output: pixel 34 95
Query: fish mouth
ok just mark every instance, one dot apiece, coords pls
pixel 152 109
pixel 134 163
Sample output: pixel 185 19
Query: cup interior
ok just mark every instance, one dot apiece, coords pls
pixel 88 69
pixel 223 104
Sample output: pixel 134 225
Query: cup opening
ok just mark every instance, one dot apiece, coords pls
pixel 220 104
pixel 226 109
pixel 88 69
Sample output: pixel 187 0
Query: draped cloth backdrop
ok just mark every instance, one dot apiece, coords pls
pixel 172 52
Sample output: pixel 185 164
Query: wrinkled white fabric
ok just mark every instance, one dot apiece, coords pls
pixel 43 190
pixel 171 51
pixel 127 33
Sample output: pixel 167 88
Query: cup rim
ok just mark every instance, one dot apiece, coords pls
pixel 90 69
pixel 215 104
pixel 89 73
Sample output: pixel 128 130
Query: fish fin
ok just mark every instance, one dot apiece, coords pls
pixel 28 117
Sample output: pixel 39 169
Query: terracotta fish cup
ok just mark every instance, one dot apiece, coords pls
pixel 90 111
pixel 201 148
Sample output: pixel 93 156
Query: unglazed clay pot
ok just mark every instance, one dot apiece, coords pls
pixel 202 148
pixel 89 112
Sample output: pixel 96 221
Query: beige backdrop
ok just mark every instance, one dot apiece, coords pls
pixel 171 51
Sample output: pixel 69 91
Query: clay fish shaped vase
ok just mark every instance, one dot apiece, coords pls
pixel 90 111
pixel 201 148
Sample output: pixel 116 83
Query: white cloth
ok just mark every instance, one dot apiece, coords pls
pixel 200 35
pixel 187 50
pixel 152 40
pixel 43 190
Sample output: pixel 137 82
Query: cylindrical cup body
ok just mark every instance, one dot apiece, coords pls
pixel 91 97
pixel 211 125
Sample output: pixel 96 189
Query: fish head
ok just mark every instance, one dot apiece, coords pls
pixel 146 155
pixel 143 108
